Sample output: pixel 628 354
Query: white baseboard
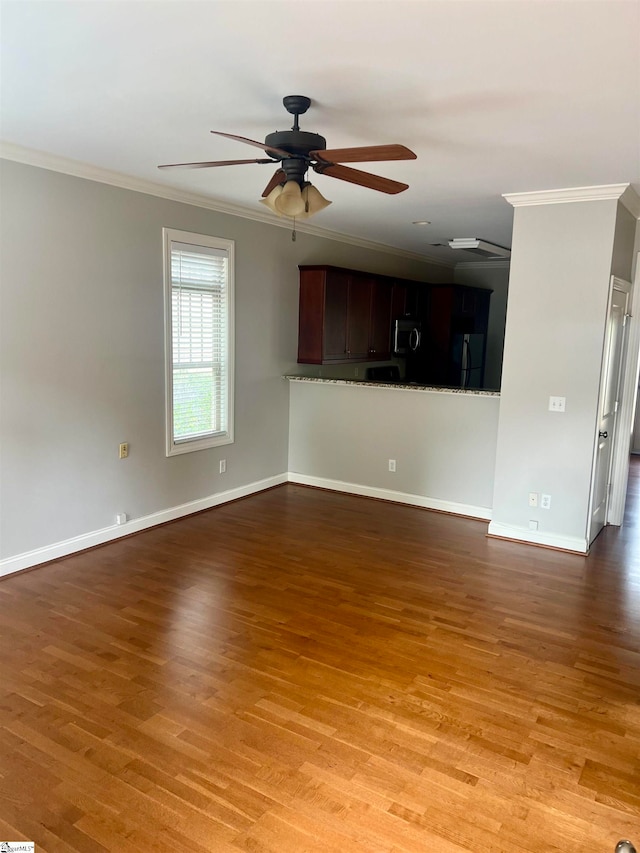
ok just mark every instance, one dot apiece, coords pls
pixel 539 537
pixel 481 512
pixel 98 537
pixel 30 559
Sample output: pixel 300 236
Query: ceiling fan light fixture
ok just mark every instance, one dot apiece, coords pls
pixel 314 201
pixel 270 200
pixel 290 201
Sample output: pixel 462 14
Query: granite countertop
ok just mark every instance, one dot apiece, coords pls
pixel 394 386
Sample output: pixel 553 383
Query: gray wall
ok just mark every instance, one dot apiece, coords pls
pixel 558 290
pixel 623 262
pixel 82 360
pixel 443 443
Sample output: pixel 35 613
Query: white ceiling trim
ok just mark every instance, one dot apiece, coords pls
pixel 40 159
pixel 564 196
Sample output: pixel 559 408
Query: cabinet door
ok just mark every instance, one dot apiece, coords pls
pixel 483 298
pixel 335 315
pixel 380 320
pixel 470 310
pixel 466 301
pixel 358 311
pixel 438 340
pixel 311 316
pixel 400 299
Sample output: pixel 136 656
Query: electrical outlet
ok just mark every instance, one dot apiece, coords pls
pixel 545 502
pixel 533 499
pixel 121 518
pixel 392 466
pixel 223 466
pixel 533 525
pixel 123 450
pixel 557 404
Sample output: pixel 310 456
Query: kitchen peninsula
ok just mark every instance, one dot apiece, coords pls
pixel 432 447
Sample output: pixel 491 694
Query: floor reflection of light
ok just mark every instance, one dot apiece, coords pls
pixel 200 619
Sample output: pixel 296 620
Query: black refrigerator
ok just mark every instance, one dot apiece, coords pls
pixel 468 356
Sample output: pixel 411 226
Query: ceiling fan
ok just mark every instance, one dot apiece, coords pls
pixel 288 193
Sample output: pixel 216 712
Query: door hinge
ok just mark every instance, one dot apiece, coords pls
pixel 615 406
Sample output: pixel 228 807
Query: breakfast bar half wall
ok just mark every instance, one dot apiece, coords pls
pixel 347 435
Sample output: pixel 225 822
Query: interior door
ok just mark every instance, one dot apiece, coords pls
pixel 608 405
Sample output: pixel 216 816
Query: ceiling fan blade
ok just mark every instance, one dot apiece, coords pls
pixel 278 152
pixel 279 178
pixel 363 179
pixel 209 164
pixel 364 154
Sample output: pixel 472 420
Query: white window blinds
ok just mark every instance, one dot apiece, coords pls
pixel 200 346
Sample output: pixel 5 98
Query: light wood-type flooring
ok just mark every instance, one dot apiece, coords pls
pixel 308 672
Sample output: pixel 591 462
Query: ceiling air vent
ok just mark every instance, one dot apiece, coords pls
pixel 479 247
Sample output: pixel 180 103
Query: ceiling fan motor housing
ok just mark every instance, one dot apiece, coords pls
pixel 298 143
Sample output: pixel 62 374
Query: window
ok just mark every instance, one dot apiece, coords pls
pixel 198 274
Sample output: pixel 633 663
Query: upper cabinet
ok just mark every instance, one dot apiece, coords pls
pixel 344 316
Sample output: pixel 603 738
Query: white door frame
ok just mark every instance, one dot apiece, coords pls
pixel 620 285
pixel 629 390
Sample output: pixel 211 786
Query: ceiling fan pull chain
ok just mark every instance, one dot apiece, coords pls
pixel 293 233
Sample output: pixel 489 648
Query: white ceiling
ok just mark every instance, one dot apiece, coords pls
pixel 494 97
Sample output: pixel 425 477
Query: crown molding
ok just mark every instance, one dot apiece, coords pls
pixel 500 264
pixel 564 196
pixel 75 168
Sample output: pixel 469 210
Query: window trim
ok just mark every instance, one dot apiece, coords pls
pixel 169 236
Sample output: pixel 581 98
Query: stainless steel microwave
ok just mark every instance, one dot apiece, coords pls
pixel 407 336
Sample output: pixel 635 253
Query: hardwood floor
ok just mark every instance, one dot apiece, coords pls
pixel 315 672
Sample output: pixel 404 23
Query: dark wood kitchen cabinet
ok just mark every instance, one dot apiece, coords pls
pixel 344 315
pixel 380 319
pixel 358 317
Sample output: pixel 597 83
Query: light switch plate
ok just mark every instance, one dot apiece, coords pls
pixel 557 404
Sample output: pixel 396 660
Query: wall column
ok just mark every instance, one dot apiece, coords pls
pixel 566 244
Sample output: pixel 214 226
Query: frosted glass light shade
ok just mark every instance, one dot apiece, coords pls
pixel 270 200
pixel 314 201
pixel 290 201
